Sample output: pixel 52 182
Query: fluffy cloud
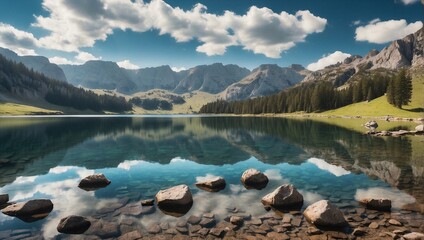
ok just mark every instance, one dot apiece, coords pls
pixel 79 59
pixel 386 31
pixel 76 24
pixel 85 56
pixel 178 69
pixel 127 64
pixel 61 61
pixel 21 42
pixel 407 2
pixel 330 59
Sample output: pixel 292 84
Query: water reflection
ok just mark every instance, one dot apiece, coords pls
pixel 47 158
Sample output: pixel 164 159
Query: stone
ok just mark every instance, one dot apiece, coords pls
pixel 285 196
pixel 377 204
pixel 203 231
pixel 286 219
pixel 164 225
pixel 181 223
pixel 296 222
pixel 154 228
pixel 419 128
pixel 217 232
pixel 175 201
pixel 255 221
pixel 4 198
pixel 254 179
pixel 279 236
pixel 325 214
pixel 30 211
pixel 371 125
pixel 182 230
pixel 131 236
pixel 395 222
pixel 215 184
pixel 195 228
pixel 94 182
pixel 414 236
pixel 360 231
pixel 148 202
pixel 313 231
pixel 193 220
pixel 236 220
pixel 207 222
pixel 73 225
pixel 208 215
pixel 373 225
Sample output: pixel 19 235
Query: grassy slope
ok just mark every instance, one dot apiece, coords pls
pixel 380 106
pixel 21 109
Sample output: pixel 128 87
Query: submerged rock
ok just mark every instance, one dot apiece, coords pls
pixel 254 179
pixel 175 201
pixel 377 204
pixel 285 196
pixel 4 198
pixel 94 182
pixel 30 211
pixel 148 202
pixel 73 225
pixel 212 185
pixel 324 214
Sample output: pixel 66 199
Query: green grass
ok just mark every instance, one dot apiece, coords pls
pixel 20 109
pixel 380 106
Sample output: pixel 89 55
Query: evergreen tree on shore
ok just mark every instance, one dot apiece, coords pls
pixel 399 90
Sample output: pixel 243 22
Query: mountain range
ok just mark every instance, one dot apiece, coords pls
pixel 229 82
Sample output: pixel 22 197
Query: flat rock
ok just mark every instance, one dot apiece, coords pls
pixel 236 220
pixel 377 204
pixel 217 232
pixel 175 201
pixel 73 225
pixel 131 235
pixel 359 231
pixel 285 196
pixel 148 202
pixel 254 179
pixel 325 214
pixel 207 222
pixel 154 228
pixel 212 185
pixel 193 220
pixel 414 236
pixel 31 210
pixel 94 182
pixel 395 222
pixel 373 225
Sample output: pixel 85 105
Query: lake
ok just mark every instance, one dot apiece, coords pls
pixel 46 157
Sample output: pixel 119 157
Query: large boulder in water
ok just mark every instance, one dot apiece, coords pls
pixel 285 196
pixel 212 185
pixel 253 178
pixel 73 225
pixel 175 201
pixel 94 182
pixel 324 214
pixel 377 204
pixel 30 211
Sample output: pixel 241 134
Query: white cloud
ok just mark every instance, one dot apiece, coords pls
pixel 333 169
pixel 386 31
pixel 356 22
pixel 85 56
pixel 61 60
pixel 374 21
pixel 178 69
pixel 21 42
pixel 407 2
pixel 127 64
pixel 330 59
pixel 260 30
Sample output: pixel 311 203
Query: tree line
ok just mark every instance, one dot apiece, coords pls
pixel 317 96
pixel 19 81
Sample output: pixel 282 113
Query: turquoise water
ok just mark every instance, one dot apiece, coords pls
pixel 47 157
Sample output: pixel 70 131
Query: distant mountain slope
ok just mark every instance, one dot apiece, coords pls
pixel 100 75
pixel 22 85
pixel 265 80
pixel 210 78
pixel 406 52
pixel 161 77
pixel 37 63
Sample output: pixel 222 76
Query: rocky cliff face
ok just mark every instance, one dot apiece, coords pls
pixel 100 75
pixel 210 78
pixel 155 78
pixel 37 63
pixel 265 80
pixel 406 52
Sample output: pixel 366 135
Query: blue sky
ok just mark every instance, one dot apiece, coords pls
pixel 187 33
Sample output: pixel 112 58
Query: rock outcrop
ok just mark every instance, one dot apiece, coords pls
pixel 377 204
pixel 254 179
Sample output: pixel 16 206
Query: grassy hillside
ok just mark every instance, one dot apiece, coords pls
pixel 20 109
pixel 380 106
